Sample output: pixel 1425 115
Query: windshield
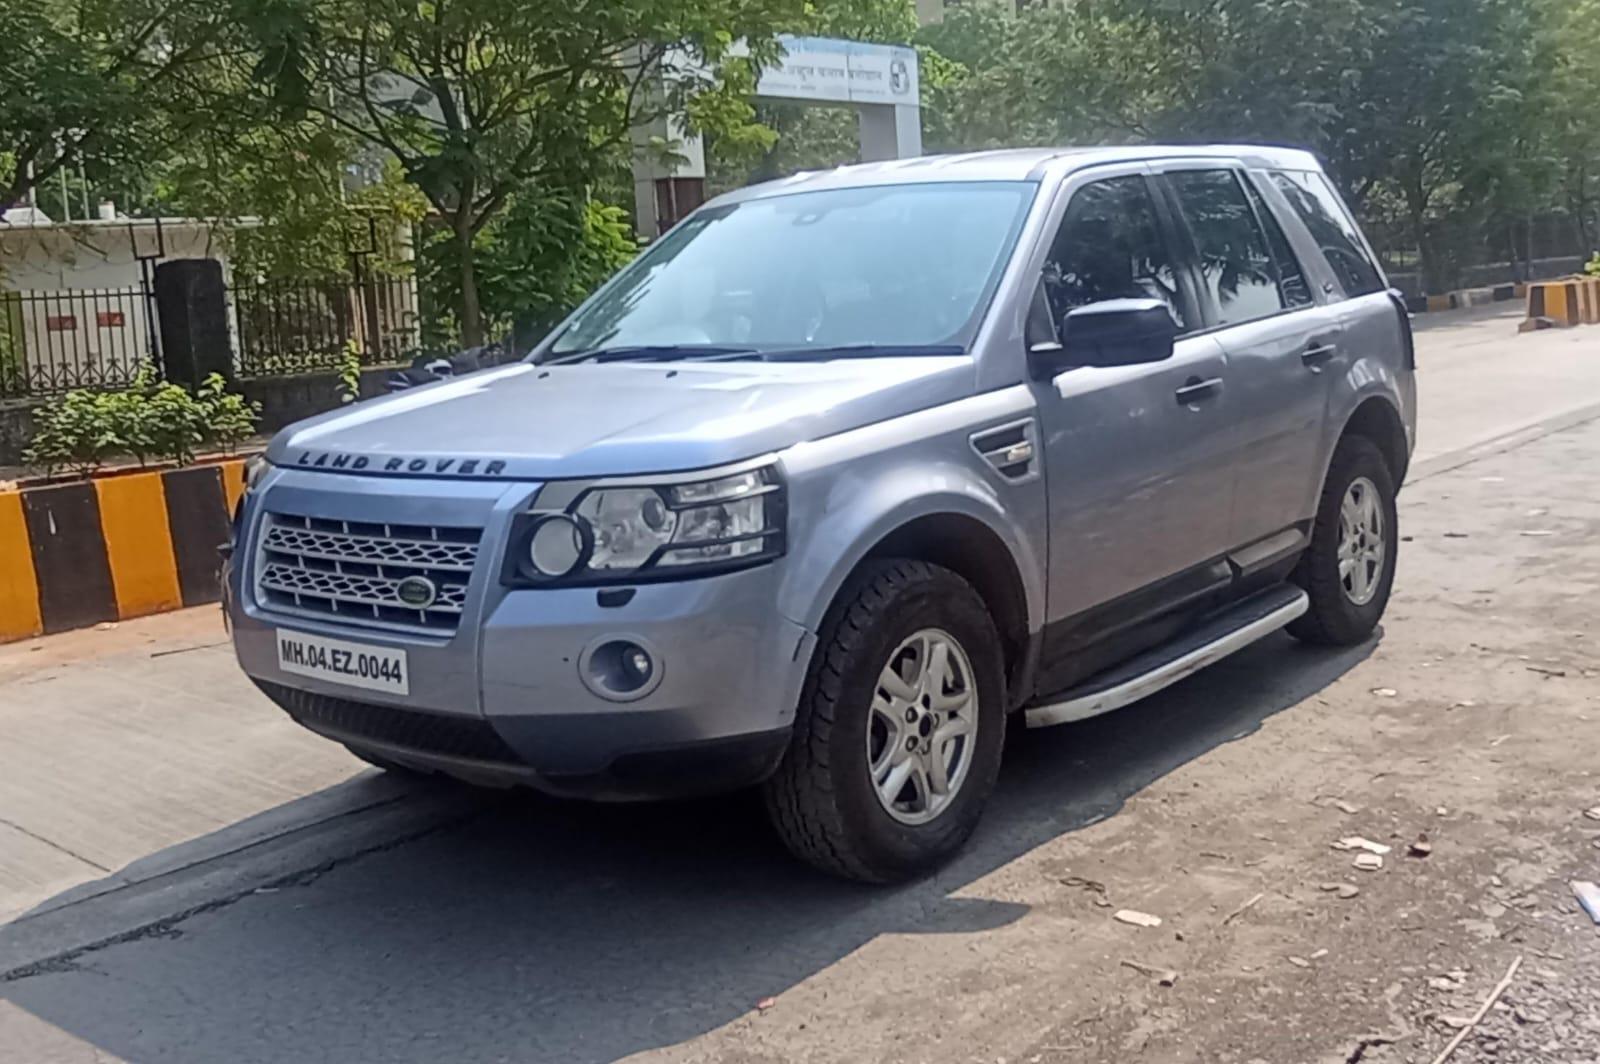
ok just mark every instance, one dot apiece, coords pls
pixel 892 265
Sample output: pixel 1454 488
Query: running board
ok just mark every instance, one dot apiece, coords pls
pixel 1259 615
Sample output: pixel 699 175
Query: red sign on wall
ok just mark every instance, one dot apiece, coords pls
pixel 109 319
pixel 61 323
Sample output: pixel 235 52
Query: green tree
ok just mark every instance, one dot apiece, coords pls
pixel 1566 110
pixel 101 84
pixel 480 100
pixel 540 258
pixel 1425 110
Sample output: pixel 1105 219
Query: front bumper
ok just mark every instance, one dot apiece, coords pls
pixel 474 750
pixel 501 701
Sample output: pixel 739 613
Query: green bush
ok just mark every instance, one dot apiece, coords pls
pixel 1592 267
pixel 77 431
pixel 228 418
pixel 150 419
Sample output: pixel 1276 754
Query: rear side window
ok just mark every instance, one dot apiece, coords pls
pixel 1313 199
pixel 1292 284
pixel 1235 265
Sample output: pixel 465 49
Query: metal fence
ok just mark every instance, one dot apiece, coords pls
pixel 286 327
pixel 52 341
pixel 1466 252
pixel 55 341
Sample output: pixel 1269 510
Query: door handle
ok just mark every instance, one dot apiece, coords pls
pixel 1194 390
pixel 1317 353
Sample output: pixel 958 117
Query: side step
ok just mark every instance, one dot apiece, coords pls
pixel 1256 616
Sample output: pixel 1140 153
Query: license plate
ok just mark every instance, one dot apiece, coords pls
pixel 338 661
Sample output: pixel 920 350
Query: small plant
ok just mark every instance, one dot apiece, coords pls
pixel 229 418
pixel 151 418
pixel 1592 267
pixel 349 370
pixel 76 432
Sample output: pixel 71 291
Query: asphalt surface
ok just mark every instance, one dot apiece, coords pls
pixel 429 923
pixel 541 931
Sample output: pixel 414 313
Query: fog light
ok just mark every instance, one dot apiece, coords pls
pixel 619 669
pixel 637 665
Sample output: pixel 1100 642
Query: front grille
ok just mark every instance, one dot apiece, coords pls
pixel 408 729
pixel 352 570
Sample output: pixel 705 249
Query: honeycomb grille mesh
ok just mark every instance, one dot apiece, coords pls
pixel 354 571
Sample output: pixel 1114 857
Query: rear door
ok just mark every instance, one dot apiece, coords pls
pixel 1284 344
pixel 1376 331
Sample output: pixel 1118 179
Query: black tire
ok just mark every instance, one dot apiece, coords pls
pixel 1334 619
pixel 821 799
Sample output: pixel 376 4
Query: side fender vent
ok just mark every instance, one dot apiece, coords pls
pixel 1013 449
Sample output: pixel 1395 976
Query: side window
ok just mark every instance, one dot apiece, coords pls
pixel 1235 266
pixel 1292 285
pixel 1110 246
pixel 1319 208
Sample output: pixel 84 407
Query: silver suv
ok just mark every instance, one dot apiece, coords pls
pixel 843 477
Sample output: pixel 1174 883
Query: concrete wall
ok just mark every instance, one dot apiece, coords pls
pixel 97 254
pixel 285 400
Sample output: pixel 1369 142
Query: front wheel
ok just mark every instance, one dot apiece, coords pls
pixel 1348 570
pixel 898 735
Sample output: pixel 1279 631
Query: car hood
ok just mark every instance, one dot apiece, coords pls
pixel 608 419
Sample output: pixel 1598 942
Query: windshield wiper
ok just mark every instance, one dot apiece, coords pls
pixel 656 353
pixel 824 353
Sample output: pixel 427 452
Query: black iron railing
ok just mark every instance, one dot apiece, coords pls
pixel 286 327
pixel 54 341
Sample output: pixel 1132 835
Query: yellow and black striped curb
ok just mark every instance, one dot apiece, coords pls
pixel 115 547
pixel 1466 297
pixel 1564 302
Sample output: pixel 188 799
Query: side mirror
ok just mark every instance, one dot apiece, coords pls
pixel 1116 332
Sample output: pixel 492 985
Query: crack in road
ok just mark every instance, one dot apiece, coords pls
pixel 54 845
pixel 169 926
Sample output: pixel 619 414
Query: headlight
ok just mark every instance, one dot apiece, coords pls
pixel 628 533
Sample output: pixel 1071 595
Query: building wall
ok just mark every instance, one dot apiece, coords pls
pixel 80 312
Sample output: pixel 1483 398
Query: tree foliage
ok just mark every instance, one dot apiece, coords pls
pixel 1426 111
pixel 535 262
pixel 104 85
pixel 479 100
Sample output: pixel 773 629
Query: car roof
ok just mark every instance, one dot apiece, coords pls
pixel 1016 164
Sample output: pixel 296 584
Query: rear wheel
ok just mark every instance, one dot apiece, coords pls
pixel 1348 570
pixel 899 731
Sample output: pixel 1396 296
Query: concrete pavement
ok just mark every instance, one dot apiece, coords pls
pixel 116 744
pixel 1480 380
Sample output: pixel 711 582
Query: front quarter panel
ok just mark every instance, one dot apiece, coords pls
pixel 847 492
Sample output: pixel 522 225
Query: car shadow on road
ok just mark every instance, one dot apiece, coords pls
pixel 549 931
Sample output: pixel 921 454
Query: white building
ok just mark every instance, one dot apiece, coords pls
pixel 75 297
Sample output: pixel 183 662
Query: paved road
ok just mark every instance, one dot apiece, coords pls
pixel 436 926
pixel 1479 379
